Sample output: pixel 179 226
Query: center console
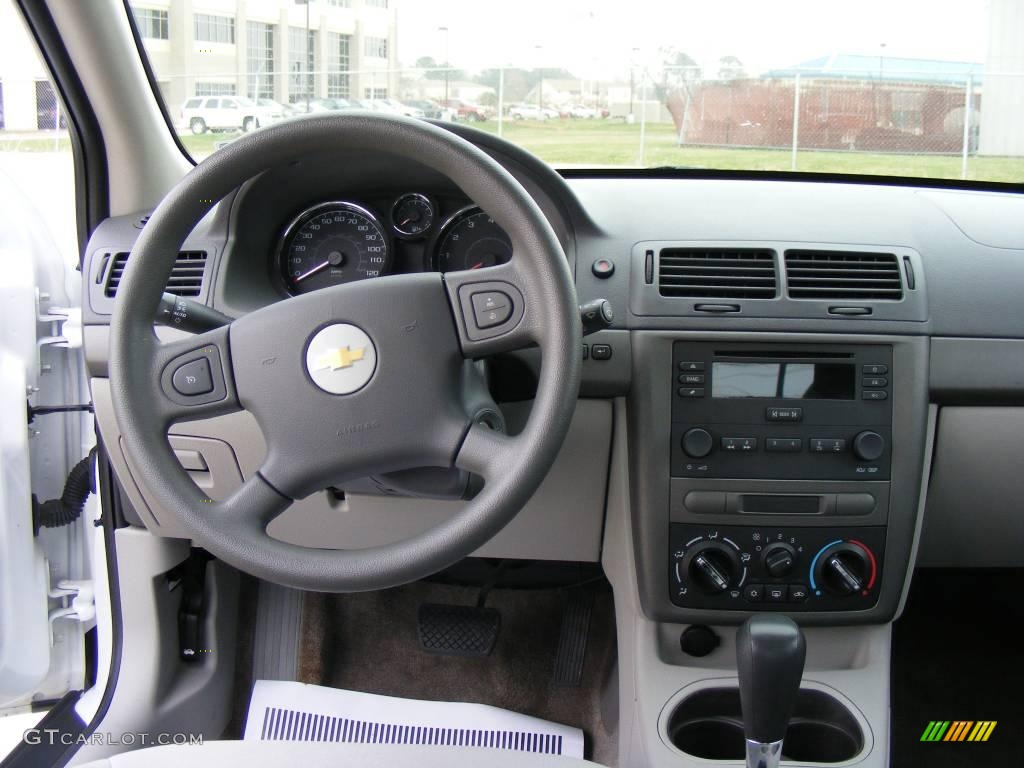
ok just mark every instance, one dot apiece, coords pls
pixel 777 475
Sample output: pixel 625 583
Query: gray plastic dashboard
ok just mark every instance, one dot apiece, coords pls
pixel 966 249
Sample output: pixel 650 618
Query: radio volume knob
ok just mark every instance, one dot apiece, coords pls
pixel 697 443
pixel 868 446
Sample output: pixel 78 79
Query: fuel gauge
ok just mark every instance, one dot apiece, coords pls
pixel 412 215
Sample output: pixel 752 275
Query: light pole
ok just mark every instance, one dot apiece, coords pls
pixel 540 89
pixel 310 75
pixel 446 66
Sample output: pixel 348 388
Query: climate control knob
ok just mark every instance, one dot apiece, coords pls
pixel 868 446
pixel 843 568
pixel 697 443
pixel 779 559
pixel 713 567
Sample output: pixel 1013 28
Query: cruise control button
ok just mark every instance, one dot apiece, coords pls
pixel 797 593
pixel 753 593
pixel 193 378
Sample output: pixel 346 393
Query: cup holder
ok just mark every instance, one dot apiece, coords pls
pixel 709 725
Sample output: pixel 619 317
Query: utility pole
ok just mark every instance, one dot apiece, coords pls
pixel 309 76
pixel 540 89
pixel 447 68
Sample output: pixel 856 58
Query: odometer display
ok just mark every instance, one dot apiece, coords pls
pixel 330 244
pixel 471 240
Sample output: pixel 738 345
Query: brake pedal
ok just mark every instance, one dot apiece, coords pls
pixel 458 630
pixel 572 640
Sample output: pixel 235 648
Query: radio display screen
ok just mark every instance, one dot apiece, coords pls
pixel 792 381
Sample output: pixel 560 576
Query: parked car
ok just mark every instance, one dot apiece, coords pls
pixel 531 112
pixel 403 109
pixel 430 109
pixel 302 106
pixel 580 111
pixel 466 111
pixel 227 113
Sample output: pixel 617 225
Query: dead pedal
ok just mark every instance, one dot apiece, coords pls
pixel 572 640
pixel 458 630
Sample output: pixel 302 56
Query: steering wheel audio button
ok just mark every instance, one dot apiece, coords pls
pixel 491 308
pixel 193 378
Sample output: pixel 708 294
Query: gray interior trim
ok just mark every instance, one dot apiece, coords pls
pixel 977 371
pixel 926 472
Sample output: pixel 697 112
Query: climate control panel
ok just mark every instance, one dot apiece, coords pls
pixel 757 568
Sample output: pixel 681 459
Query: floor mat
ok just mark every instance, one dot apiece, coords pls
pixel 286 711
pixel 368 642
pixel 958 656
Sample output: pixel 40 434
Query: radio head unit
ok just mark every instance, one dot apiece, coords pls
pixel 801 412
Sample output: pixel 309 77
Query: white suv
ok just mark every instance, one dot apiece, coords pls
pixel 226 113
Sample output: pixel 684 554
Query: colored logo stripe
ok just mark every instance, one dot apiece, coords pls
pixel 958 730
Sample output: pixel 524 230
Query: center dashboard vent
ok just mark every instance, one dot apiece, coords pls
pixel 186 276
pixel 830 275
pixel 717 273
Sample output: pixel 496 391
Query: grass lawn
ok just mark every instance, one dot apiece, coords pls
pixel 605 143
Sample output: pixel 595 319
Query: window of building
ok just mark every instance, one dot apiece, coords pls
pixel 48 113
pixel 214 29
pixel 152 23
pixel 375 93
pixel 338 83
pixel 377 3
pixel 301 62
pixel 340 3
pixel 260 60
pixel 215 89
pixel 375 47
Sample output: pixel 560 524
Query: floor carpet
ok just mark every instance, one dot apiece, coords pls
pixel 368 642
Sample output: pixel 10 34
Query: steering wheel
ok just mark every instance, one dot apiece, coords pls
pixel 354 380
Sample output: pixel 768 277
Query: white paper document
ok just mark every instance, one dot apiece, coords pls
pixel 286 711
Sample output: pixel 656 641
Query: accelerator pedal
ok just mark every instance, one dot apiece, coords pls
pixel 572 640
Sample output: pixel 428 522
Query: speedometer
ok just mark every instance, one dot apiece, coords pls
pixel 332 243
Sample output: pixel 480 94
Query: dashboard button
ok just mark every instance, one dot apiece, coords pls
pixel 874 394
pixel 826 445
pixel 491 308
pixel 753 593
pixel 776 593
pixel 745 444
pixel 784 414
pixel 875 381
pixel 691 366
pixel 693 379
pixel 193 378
pixel 603 268
pixel 600 352
pixel 797 593
pixel 875 369
pixel 691 392
pixel 783 444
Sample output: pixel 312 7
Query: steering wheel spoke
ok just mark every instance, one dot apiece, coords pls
pixel 193 378
pixel 486 452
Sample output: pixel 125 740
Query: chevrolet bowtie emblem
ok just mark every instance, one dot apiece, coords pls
pixel 342 357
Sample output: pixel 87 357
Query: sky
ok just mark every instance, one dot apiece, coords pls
pixel 595 38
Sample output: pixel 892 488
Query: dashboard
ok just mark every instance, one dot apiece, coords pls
pixel 788 362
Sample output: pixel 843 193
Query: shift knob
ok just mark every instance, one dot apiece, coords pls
pixel 770 652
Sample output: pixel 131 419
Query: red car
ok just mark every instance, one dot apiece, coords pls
pixel 466 111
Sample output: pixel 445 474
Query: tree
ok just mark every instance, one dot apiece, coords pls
pixel 435 71
pixel 676 72
pixel 730 68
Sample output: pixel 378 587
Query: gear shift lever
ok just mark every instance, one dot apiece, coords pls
pixel 770 651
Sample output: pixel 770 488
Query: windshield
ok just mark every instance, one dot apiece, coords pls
pixel 911 88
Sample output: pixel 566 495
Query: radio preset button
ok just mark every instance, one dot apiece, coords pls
pixel 875 369
pixel 784 414
pixel 827 445
pixel 693 379
pixel 746 444
pixel 875 381
pixel 874 394
pixel 691 366
pixel 783 444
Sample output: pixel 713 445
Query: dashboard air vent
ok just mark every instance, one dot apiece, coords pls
pixel 186 275
pixel 843 275
pixel 717 273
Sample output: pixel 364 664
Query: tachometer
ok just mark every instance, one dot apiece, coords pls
pixel 471 240
pixel 332 243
